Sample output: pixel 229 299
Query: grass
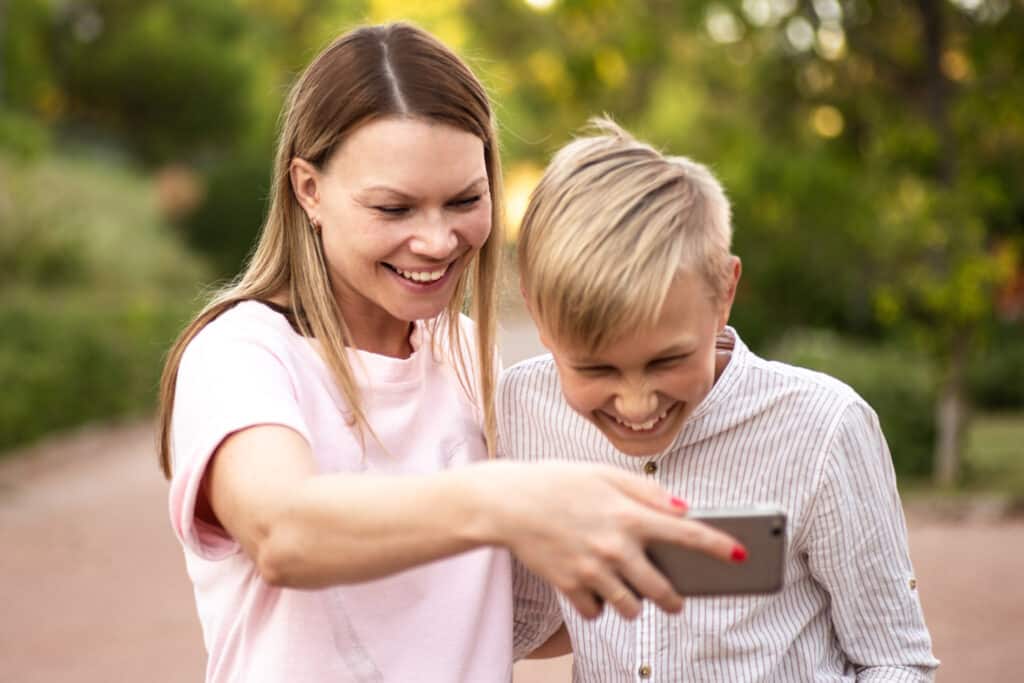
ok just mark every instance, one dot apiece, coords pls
pixel 994 458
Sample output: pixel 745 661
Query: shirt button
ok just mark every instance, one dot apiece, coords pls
pixel 645 671
pixel 650 467
pixel 913 584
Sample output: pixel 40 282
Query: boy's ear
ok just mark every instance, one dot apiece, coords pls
pixel 735 271
pixel 536 323
pixel 305 180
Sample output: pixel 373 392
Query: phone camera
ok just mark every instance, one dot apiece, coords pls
pixel 776 531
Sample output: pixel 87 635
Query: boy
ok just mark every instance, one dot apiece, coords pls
pixel 625 264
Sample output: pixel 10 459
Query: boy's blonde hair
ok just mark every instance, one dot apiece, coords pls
pixel 607 230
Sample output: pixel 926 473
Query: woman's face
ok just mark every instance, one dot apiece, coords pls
pixel 403 205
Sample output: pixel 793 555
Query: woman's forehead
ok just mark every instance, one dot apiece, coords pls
pixel 403 153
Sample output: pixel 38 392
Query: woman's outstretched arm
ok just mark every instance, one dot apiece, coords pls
pixel 583 528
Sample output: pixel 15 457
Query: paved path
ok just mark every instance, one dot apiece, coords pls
pixel 93 586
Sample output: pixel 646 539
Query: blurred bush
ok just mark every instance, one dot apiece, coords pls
pixel 94 286
pixel 225 225
pixel 22 136
pixel 996 375
pixel 897 384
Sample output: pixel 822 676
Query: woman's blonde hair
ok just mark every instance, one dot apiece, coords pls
pixel 368 73
pixel 607 229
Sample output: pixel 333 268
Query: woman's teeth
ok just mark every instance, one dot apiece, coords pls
pixel 431 276
pixel 643 426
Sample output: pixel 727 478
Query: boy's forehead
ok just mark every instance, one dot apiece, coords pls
pixel 646 342
pixel 686 315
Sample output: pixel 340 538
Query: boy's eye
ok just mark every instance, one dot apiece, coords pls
pixel 669 361
pixel 594 370
pixel 465 202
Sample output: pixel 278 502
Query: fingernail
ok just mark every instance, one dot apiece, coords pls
pixel 739 553
pixel 678 503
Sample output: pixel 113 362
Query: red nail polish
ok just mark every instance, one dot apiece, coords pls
pixel 739 553
pixel 678 503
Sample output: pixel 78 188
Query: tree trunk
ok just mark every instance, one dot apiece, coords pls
pixel 951 410
pixel 951 413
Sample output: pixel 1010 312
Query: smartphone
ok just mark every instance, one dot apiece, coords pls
pixel 761 530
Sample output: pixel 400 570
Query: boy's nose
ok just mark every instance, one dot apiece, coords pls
pixel 636 404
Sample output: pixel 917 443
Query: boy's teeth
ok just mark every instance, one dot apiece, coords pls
pixel 422 277
pixel 642 426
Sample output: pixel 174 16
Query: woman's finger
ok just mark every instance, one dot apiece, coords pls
pixel 645 491
pixel 585 602
pixel 615 593
pixel 695 535
pixel 650 583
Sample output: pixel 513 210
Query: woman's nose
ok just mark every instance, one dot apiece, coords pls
pixel 434 239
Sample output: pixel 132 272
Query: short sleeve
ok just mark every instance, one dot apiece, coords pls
pixel 225 383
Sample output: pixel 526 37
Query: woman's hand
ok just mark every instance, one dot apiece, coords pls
pixel 584 529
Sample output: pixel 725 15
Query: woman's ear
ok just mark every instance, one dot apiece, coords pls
pixel 306 185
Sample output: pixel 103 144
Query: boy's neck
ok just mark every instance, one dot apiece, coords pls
pixel 724 344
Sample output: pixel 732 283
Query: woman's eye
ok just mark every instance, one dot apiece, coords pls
pixel 465 202
pixel 392 210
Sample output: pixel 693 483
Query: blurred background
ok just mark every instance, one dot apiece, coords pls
pixel 873 152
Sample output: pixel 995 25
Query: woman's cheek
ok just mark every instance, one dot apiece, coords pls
pixel 476 226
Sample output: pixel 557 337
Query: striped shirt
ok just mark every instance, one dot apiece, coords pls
pixel 767 433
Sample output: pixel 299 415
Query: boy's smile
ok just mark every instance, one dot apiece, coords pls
pixel 640 389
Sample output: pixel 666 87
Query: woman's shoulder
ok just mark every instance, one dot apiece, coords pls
pixel 247 324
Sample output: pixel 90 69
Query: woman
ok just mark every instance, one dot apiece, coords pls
pixel 317 415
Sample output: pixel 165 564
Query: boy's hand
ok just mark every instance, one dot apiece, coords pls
pixel 584 528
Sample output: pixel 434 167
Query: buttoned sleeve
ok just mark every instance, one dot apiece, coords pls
pixel 857 550
pixel 536 612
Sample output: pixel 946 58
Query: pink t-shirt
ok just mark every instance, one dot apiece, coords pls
pixel 450 620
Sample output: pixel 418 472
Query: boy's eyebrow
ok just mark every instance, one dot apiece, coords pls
pixel 407 197
pixel 680 349
pixel 675 350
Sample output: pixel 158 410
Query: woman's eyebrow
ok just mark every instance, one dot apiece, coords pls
pixel 384 189
pixel 402 196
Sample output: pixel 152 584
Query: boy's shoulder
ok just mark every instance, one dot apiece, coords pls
pixel 812 380
pixel 802 390
pixel 537 372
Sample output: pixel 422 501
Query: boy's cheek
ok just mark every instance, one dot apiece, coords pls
pixel 579 394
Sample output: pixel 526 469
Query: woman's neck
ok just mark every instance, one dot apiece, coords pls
pixel 373 331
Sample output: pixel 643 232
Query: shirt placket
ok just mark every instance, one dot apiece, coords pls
pixel 646 665
pixel 644 670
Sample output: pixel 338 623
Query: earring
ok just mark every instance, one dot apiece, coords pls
pixel 314 224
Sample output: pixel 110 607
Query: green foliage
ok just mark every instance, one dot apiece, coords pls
pixel 66 362
pixel 21 136
pixel 93 289
pixel 898 385
pixel 993 455
pixel 169 78
pixel 226 224
pixel 996 375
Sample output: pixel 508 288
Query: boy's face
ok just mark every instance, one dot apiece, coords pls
pixel 640 389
